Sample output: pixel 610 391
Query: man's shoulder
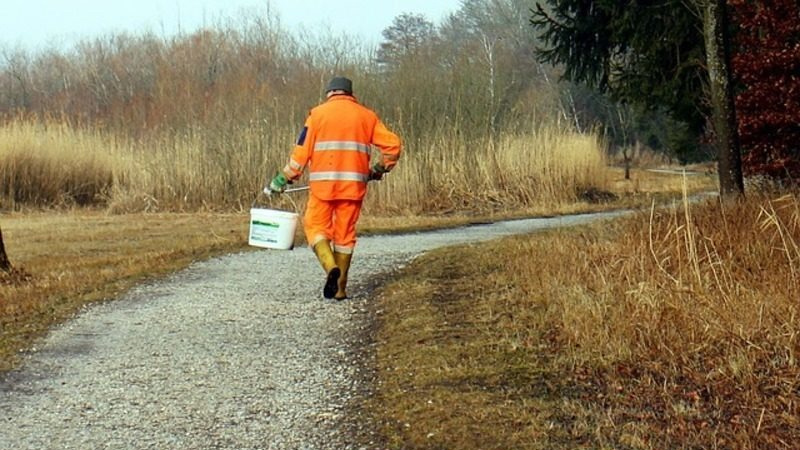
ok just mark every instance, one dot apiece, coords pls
pixel 332 107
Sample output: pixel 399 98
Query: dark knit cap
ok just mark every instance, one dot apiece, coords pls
pixel 340 84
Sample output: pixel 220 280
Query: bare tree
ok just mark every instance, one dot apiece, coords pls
pixel 17 65
pixel 407 34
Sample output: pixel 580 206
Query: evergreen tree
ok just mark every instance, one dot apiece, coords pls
pixel 645 53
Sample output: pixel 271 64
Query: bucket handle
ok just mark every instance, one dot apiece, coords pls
pixel 269 194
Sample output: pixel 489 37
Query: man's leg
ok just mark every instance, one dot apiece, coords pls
pixel 318 224
pixel 346 214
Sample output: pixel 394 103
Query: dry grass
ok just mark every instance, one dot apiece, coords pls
pixel 646 183
pixel 447 174
pixel 640 157
pixel 223 169
pixel 54 165
pixel 676 329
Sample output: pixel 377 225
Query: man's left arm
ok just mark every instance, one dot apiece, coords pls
pixel 300 155
pixel 297 162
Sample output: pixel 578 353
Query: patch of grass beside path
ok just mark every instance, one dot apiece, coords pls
pixel 76 257
pixel 676 329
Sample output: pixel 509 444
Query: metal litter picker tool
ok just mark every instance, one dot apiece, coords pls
pixel 271 228
pixel 297 189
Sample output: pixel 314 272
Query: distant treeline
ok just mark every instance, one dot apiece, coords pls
pixel 475 72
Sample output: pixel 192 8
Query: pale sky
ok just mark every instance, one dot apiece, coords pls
pixel 34 24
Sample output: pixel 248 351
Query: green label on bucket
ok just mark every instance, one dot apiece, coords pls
pixel 266 224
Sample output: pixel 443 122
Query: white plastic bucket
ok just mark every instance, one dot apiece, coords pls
pixel 270 228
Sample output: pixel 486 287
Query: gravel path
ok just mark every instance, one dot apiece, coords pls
pixel 239 352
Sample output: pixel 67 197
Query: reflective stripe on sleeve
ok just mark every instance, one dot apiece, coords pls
pixel 338 176
pixel 291 173
pixel 342 145
pixel 295 165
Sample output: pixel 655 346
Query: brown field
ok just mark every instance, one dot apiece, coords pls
pixel 676 328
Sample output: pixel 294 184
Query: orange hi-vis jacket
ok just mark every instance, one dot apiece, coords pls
pixel 336 143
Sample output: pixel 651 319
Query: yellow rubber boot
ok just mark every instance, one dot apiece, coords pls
pixel 332 272
pixel 343 262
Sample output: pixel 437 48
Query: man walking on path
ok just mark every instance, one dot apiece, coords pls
pixel 335 145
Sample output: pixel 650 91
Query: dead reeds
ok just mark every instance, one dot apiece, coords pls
pixel 676 328
pixel 225 169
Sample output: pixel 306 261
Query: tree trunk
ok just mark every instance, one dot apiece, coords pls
pixel 626 158
pixel 729 158
pixel 5 264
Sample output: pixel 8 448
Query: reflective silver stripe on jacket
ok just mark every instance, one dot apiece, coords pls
pixel 294 164
pixel 344 250
pixel 342 145
pixel 338 176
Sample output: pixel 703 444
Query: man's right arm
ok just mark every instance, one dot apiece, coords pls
pixel 389 145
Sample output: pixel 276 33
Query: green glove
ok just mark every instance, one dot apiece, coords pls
pixel 278 183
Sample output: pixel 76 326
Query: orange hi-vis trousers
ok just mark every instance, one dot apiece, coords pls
pixel 334 220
